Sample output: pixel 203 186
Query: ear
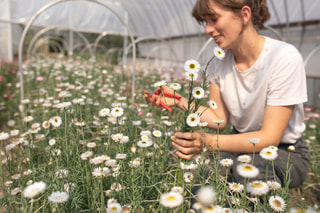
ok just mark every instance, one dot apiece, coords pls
pixel 246 14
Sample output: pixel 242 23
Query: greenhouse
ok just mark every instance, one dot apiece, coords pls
pixel 87 123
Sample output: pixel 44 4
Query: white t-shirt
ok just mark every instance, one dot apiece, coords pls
pixel 277 78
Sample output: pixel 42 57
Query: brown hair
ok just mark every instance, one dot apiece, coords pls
pixel 259 10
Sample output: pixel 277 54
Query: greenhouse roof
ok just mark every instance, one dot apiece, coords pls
pixel 146 18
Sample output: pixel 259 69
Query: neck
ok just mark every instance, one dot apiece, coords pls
pixel 248 49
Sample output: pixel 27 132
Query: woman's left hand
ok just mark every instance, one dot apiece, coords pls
pixel 188 144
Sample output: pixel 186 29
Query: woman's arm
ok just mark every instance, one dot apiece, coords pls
pixel 275 121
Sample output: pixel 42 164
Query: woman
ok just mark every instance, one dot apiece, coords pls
pixel 259 87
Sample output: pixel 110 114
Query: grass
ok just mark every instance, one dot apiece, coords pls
pixel 119 173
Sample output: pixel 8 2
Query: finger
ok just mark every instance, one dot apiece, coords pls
pixel 185 135
pixel 182 142
pixel 184 156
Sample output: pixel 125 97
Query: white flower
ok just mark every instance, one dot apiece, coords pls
pixel 236 187
pixel 58 197
pixel 4 136
pixel 257 188
pixel 226 162
pixel 86 155
pixel 117 112
pixel 212 104
pixel 218 121
pixel 192 66
pixel 277 203
pixel 69 187
pixel 28 118
pixel 52 142
pixel 46 124
pixel 104 112
pixel 171 199
pixel 254 140
pixel 219 52
pixel 55 121
pixel 114 208
pixel 268 154
pixel 188 177
pixel 34 189
pixel 91 145
pixel 198 92
pixel 247 170
pixel 62 173
pixel 191 76
pixel 64 105
pixel 121 156
pixel 177 189
pixel 291 148
pixel 175 86
pixel 157 133
pixel 273 185
pixel 193 119
pixel 144 143
pixel 206 195
pixel 244 158
pixel 160 83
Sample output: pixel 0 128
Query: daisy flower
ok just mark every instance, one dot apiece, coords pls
pixel 160 83
pixel 191 76
pixel 52 142
pixel 34 189
pixel 268 154
pixel 86 155
pixel 171 199
pixel 175 86
pixel 11 123
pixel 192 66
pixel 126 209
pixel 4 136
pixel 193 119
pixel 244 158
pixel 188 176
pixel 273 185
pixel 117 112
pixel 206 195
pixel 218 121
pixel 212 104
pixel 91 145
pixel 177 189
pixel 56 121
pixel 114 208
pixel 104 112
pixel 211 208
pixel 247 170
pixel 198 92
pixel 277 203
pixel 14 132
pixel 28 118
pixel 236 187
pixel 144 143
pixel 254 140
pixel 257 188
pixel 58 197
pixel 15 191
pixel 121 156
pixel 46 124
pixel 157 133
pixel 226 162
pixel 219 52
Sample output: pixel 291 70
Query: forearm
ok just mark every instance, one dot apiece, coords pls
pixel 239 143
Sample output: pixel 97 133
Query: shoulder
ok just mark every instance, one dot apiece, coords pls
pixel 281 48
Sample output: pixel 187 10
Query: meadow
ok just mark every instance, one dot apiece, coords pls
pixel 77 143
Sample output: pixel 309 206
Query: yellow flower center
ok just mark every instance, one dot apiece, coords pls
pixel 219 52
pixel 268 153
pixel 198 92
pixel 248 168
pixel 143 142
pixel 277 203
pixel 256 185
pixel 114 208
pixel 209 208
pixel 171 198
pixel 192 66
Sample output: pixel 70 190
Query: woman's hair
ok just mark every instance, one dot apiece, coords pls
pixel 259 10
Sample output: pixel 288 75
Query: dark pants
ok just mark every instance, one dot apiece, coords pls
pixel 298 164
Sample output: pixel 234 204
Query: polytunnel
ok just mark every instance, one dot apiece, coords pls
pixel 164 30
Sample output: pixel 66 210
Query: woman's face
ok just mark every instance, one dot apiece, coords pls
pixel 224 26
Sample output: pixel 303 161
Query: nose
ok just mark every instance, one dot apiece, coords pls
pixel 209 29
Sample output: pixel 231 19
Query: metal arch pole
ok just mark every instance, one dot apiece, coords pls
pixel 306 60
pixel 86 42
pixel 35 37
pixel 204 47
pixel 49 38
pixel 44 8
pixel 96 42
pixel 278 35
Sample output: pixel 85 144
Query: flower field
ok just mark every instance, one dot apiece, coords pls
pixel 77 143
